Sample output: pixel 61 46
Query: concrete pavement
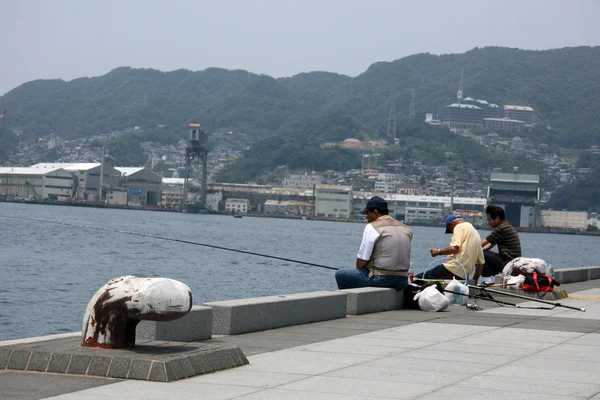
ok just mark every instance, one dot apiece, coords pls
pixel 496 353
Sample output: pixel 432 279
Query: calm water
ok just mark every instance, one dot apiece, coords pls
pixel 49 272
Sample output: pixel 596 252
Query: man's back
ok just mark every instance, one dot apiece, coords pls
pixel 466 237
pixel 392 249
pixel 505 236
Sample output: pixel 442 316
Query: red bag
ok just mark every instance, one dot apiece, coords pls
pixel 535 282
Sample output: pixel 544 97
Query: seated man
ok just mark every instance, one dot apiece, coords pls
pixel 464 251
pixel 505 236
pixel 383 259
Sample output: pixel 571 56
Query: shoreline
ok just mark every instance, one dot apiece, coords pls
pixel 557 231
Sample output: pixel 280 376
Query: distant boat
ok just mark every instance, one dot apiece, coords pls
pixel 237 216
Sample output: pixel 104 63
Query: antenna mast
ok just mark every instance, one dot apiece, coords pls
pixel 459 94
pixel 391 129
pixel 411 110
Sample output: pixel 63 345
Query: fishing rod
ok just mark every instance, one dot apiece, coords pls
pixel 499 302
pixel 485 289
pixel 171 240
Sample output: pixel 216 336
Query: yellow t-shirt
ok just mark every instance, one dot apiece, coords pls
pixel 470 253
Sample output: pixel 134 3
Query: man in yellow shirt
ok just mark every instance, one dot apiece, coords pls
pixel 464 251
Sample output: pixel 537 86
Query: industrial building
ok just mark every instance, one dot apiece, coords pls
pixel 519 195
pixel 333 201
pixel 565 219
pixel 87 178
pixel 36 184
pixel 237 206
pixel 143 186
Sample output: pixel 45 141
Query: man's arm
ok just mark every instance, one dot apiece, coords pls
pixel 444 251
pixel 486 245
pixel 360 263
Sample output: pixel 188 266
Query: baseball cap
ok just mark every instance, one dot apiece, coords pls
pixel 450 219
pixel 374 202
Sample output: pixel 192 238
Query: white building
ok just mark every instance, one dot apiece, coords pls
pixel 237 206
pixel 333 201
pixel 565 219
pixel 87 178
pixel 36 184
pixel 303 181
pixel 385 186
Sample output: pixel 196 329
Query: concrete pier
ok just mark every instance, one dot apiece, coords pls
pixel 495 353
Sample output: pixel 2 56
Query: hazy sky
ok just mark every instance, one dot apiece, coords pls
pixel 73 38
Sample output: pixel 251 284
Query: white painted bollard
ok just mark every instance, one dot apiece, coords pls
pixel 114 311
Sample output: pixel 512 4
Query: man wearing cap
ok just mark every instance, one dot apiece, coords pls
pixel 383 258
pixel 464 251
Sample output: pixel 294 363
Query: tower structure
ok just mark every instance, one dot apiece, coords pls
pixel 411 109
pixel 196 151
pixel 391 129
pixel 459 94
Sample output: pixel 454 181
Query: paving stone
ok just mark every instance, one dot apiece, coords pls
pixel 79 364
pixel 59 362
pixel 158 372
pixel 199 364
pixel 99 366
pixel 119 367
pixel 4 356
pixel 38 361
pixel 139 369
pixel 19 359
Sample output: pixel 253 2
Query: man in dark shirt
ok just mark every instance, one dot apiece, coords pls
pixel 505 236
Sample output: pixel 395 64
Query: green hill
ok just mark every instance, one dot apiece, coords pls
pixel 562 85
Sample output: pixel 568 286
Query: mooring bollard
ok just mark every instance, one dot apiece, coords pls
pixel 114 311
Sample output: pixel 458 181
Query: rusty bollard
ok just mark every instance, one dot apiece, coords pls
pixel 115 310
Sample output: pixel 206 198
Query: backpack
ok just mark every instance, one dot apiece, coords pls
pixel 535 282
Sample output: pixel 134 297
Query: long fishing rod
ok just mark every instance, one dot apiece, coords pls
pixel 499 302
pixel 171 240
pixel 487 290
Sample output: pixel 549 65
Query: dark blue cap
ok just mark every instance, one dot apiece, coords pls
pixel 374 202
pixel 450 219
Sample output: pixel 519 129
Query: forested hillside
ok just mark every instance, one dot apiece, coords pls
pixel 562 85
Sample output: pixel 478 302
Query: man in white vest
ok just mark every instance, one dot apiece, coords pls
pixel 383 258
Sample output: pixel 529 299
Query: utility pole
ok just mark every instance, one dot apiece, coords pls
pixel 101 171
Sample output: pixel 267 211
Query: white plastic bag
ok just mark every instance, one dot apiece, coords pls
pixel 515 282
pixel 430 299
pixel 457 287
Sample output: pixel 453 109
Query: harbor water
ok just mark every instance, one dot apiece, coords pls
pixel 49 272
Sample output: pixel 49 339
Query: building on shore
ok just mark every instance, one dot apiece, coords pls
pixel 87 178
pixel 519 195
pixel 36 184
pixel 333 201
pixel 237 206
pixel 143 186
pixel 564 219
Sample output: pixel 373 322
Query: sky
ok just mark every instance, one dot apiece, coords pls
pixel 69 39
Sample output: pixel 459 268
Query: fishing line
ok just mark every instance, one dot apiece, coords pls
pixel 171 240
